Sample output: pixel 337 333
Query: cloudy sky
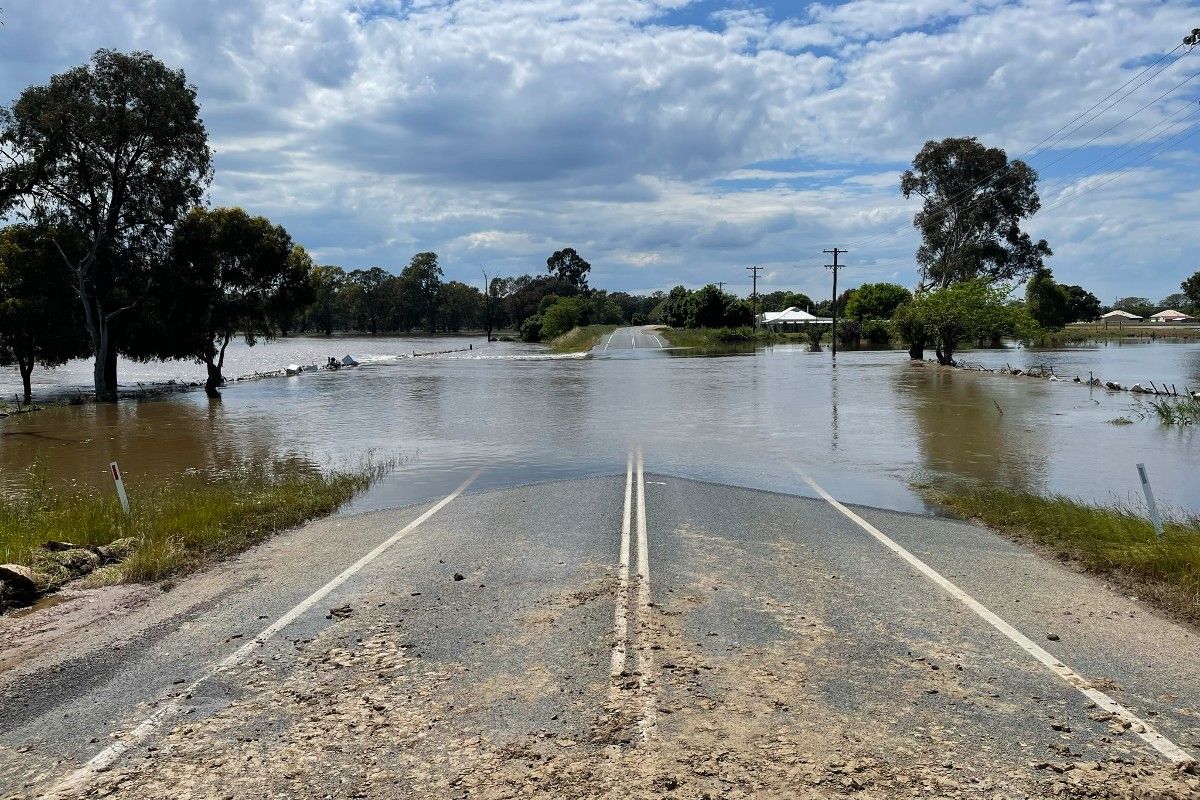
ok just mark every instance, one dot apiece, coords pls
pixel 668 141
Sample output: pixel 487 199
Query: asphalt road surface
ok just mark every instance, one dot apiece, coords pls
pixel 639 338
pixel 632 635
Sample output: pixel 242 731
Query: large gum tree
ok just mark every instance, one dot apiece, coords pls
pixel 114 151
pixel 230 274
pixel 975 200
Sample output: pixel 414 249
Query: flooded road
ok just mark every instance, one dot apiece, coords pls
pixel 866 428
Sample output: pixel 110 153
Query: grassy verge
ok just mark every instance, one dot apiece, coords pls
pixel 1114 543
pixel 580 339
pixel 181 525
pixel 1078 334
pixel 715 337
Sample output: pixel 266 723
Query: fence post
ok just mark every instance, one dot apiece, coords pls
pixel 1154 517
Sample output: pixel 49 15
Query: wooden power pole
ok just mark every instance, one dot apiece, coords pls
pixel 754 292
pixel 835 266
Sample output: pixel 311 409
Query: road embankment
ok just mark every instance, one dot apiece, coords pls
pixel 52 534
pixel 580 339
pixel 1118 544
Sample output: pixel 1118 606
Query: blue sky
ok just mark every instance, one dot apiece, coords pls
pixel 668 141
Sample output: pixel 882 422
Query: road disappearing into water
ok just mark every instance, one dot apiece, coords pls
pixel 631 635
pixel 637 338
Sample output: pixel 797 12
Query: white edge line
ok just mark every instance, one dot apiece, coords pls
pixel 648 722
pixel 106 757
pixel 1139 726
pixel 621 614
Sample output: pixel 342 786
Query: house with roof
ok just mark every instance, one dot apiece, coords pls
pixel 1119 317
pixel 789 318
pixel 1171 315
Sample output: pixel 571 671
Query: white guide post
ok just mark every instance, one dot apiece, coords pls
pixel 116 473
pixel 1154 517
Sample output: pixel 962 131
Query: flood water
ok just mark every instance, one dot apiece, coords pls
pixel 865 428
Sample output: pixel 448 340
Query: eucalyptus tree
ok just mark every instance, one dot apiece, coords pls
pixel 421 281
pixel 570 267
pixel 230 274
pixel 327 282
pixel 114 151
pixel 975 200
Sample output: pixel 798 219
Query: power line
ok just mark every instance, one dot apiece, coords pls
pixel 1055 139
pixel 1153 153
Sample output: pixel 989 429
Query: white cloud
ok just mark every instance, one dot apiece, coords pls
pixel 503 129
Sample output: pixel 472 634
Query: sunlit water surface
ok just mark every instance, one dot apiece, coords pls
pixel 866 429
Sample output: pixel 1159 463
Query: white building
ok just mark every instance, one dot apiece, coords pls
pixel 1171 315
pixel 1119 317
pixel 790 318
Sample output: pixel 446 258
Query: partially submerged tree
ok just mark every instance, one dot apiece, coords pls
pixel 231 274
pixel 968 310
pixel 115 152
pixel 39 312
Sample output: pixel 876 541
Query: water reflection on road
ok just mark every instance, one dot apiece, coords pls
pixel 864 429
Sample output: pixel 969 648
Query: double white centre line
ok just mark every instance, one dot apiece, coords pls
pixel 647 720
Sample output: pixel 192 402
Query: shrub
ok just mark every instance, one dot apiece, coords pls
pixel 877 331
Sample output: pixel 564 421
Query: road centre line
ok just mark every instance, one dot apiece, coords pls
pixel 648 722
pixel 1143 729
pixel 106 757
pixel 620 643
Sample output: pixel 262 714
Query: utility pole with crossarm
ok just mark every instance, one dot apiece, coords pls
pixel 835 266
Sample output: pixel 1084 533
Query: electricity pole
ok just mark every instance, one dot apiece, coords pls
pixel 487 299
pixel 835 267
pixel 754 292
pixel 721 285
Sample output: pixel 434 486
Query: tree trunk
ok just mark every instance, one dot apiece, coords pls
pixel 916 350
pixel 26 371
pixel 215 378
pixel 945 353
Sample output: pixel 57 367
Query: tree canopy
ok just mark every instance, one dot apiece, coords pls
pixel 1191 288
pixel 876 300
pixel 970 222
pixel 230 274
pixel 569 267
pixel 115 152
pixel 968 310
pixel 39 312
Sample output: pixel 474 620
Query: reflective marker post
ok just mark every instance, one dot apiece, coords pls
pixel 116 473
pixel 1154 517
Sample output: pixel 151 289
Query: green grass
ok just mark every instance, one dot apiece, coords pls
pixel 1078 334
pixel 1177 411
pixel 183 524
pixel 716 337
pixel 580 339
pixel 1115 543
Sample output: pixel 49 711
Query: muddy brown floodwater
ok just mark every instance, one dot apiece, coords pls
pixel 865 428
